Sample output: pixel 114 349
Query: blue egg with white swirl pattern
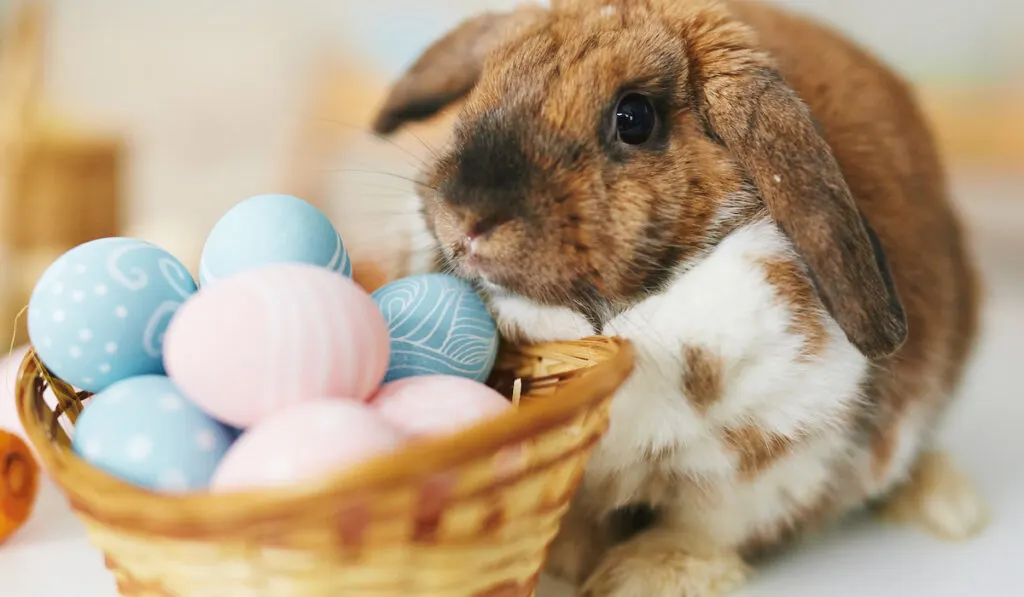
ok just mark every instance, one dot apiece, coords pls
pixel 438 325
pixel 268 229
pixel 98 313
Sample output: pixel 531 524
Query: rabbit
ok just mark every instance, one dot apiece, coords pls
pixel 757 204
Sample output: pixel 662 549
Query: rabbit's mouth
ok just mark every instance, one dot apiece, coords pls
pixel 500 266
pixel 475 257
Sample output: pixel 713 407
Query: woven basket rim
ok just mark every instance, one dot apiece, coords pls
pixel 102 496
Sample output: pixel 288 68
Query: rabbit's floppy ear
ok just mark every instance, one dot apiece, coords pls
pixel 449 68
pixel 769 130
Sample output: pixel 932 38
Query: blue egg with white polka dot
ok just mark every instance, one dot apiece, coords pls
pixel 145 431
pixel 98 313
pixel 269 229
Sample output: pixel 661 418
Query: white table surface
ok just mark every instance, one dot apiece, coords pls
pixel 50 557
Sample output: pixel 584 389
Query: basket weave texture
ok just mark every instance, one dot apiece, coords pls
pixel 470 515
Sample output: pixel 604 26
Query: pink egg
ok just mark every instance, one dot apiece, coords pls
pixel 269 338
pixel 304 442
pixel 433 405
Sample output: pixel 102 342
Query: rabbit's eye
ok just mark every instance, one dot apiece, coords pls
pixel 635 119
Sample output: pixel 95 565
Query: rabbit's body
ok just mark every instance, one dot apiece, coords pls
pixel 778 244
pixel 740 422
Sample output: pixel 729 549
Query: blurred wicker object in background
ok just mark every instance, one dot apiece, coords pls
pixel 979 126
pixel 59 185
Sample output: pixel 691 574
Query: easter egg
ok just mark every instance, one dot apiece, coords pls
pixel 309 440
pixel 269 229
pixel 145 431
pixel 98 313
pixel 269 337
pixel 437 404
pixel 438 324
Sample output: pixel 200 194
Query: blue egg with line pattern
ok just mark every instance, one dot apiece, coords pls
pixel 269 229
pixel 98 314
pixel 438 325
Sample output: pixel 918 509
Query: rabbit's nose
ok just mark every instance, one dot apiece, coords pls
pixel 483 228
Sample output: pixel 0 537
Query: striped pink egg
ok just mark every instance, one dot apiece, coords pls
pixel 268 338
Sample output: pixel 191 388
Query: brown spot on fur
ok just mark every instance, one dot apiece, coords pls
pixel 702 377
pixel 757 449
pixel 792 286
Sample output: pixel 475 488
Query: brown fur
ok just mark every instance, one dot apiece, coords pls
pixel 726 103
pixel 867 146
pixel 767 112
pixel 704 377
pixel 569 243
pixel 792 286
pixel 756 449
pixel 771 133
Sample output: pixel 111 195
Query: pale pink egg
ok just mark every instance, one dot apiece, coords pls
pixel 271 337
pixel 432 405
pixel 305 442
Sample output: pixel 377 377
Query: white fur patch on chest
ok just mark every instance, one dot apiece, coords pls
pixel 726 307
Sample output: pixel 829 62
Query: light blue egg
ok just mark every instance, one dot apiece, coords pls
pixel 144 431
pixel 99 312
pixel 271 229
pixel 438 325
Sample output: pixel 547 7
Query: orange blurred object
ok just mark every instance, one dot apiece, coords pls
pixel 19 483
pixel 369 275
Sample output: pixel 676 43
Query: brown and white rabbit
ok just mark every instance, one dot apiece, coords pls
pixel 757 204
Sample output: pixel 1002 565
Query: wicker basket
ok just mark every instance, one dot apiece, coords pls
pixel 470 515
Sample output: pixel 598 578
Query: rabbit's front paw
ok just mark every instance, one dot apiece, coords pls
pixel 654 564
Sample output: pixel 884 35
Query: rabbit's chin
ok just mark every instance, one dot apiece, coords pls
pixel 512 278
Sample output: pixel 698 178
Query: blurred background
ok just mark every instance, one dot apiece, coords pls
pixel 152 118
